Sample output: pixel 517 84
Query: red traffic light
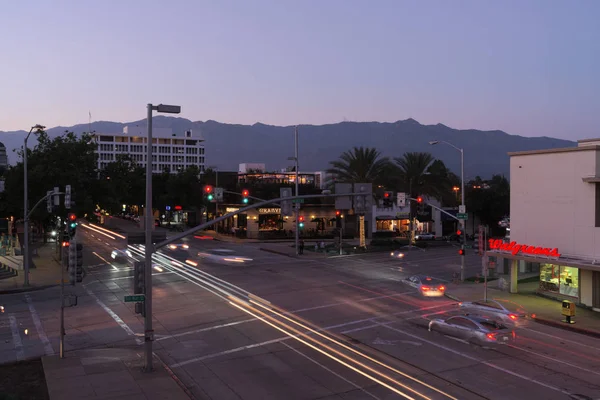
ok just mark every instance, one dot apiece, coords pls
pixel 208 189
pixel 72 217
pixel 338 213
pixel 65 244
pixel 459 232
pixel 245 193
pixel 419 199
pixel 301 219
pixel 461 252
pixel 386 195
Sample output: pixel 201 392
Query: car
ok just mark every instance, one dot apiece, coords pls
pixel 179 251
pixel 222 256
pixel 493 309
pixel 426 285
pixel 425 236
pixel 474 329
pixel 397 254
pixel 120 255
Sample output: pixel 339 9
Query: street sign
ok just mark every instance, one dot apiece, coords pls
pixel 401 199
pixel 219 194
pixel 462 209
pixel 462 216
pixel 297 200
pixel 135 298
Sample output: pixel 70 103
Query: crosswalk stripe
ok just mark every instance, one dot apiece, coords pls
pixel 38 326
pixel 16 338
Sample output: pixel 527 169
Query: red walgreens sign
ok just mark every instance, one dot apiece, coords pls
pixel 515 248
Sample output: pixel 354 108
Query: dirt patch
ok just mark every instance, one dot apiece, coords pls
pixel 23 380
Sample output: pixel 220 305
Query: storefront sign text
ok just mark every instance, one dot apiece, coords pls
pixel 231 209
pixel 516 248
pixel 269 210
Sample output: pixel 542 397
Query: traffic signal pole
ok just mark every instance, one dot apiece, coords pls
pixel 297 205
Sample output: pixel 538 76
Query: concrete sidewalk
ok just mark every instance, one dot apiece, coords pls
pixel 541 309
pixel 109 374
pixel 45 274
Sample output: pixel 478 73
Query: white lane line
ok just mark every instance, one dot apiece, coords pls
pixel 560 338
pixel 38 326
pixel 16 338
pixel 362 328
pixel 250 346
pixel 114 316
pixel 209 328
pixel 487 363
pixel 333 372
pixel 555 359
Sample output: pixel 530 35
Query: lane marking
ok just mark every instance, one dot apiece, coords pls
pixel 105 260
pixel 560 338
pixel 16 336
pixel 331 371
pixel 114 316
pixel 554 359
pixel 38 326
pixel 487 363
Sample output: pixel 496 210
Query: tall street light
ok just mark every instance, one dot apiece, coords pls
pixel 295 158
pixel 26 260
pixel 462 201
pixel 149 225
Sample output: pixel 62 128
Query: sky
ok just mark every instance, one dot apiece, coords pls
pixel 526 67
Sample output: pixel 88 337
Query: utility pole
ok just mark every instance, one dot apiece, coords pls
pixel 148 248
pixel 462 223
pixel 297 204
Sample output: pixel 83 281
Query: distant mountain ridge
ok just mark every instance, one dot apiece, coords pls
pixel 228 145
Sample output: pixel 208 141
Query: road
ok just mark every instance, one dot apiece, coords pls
pixel 279 327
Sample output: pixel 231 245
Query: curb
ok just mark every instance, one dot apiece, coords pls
pixel 25 290
pixel 561 325
pixel 452 297
pixel 174 377
pixel 277 252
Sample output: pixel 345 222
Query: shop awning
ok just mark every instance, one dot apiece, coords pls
pixel 14 262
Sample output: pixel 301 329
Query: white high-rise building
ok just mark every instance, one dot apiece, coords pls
pixel 170 152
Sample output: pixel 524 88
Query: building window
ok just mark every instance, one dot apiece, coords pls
pixel 106 138
pixel 559 279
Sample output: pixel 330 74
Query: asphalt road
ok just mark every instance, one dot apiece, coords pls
pixel 278 327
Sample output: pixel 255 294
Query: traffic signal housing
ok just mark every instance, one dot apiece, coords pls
pixel 79 263
pixel 209 192
pixel 245 195
pixel 387 198
pixel 72 266
pixel 301 222
pixel 461 252
pixel 72 224
pixel 139 284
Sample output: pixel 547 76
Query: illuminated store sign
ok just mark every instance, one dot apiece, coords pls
pixel 516 248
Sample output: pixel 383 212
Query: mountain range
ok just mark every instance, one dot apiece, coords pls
pixel 227 145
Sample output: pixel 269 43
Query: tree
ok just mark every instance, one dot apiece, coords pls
pixel 420 174
pixel 361 165
pixel 489 200
pixel 123 181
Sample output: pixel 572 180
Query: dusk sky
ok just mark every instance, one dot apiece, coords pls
pixel 526 67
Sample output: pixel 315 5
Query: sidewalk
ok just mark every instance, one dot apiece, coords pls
pixel 109 374
pixel 45 274
pixel 541 309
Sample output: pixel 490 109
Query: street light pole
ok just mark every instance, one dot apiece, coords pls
pixel 297 238
pixel 149 225
pixel 25 207
pixel 462 193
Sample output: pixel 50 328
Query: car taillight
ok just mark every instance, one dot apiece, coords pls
pixel 442 288
pixel 513 317
pixel 425 288
pixel 491 336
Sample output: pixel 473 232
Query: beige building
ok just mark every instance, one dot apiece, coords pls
pixel 555 221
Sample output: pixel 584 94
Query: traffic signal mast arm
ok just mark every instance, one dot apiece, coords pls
pixel 205 225
pixel 437 208
pixel 40 202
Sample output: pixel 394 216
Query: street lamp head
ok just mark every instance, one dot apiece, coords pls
pixel 168 109
pixel 434 142
pixel 38 127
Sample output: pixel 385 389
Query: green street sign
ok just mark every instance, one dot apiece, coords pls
pixel 462 216
pixel 135 298
pixel 297 200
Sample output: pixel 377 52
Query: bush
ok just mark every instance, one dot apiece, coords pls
pixel 384 234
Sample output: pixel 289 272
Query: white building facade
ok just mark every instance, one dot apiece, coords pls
pixel 555 221
pixel 170 152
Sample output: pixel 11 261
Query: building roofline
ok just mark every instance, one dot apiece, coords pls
pixel 588 140
pixel 550 151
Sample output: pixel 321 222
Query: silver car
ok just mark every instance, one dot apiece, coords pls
pixel 473 329
pixel 120 255
pixel 397 254
pixel 426 285
pixel 493 309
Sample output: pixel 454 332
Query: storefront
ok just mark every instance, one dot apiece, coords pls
pixel 561 277
pixel 269 219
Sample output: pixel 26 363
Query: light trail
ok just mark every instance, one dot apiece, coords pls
pixel 107 231
pixel 97 231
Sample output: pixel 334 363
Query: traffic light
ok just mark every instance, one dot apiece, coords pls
pixel 68 196
pixel 72 266
pixel 208 192
pixel 79 263
pixel 49 201
pixel 338 214
pixel 419 200
pixel 420 205
pixel 139 284
pixel 459 233
pixel 245 194
pixel 72 224
pixel 387 199
pixel 301 222
pixel 461 252
pixel 286 205
pixel 359 203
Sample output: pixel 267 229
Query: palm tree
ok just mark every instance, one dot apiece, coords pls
pixel 421 174
pixel 360 165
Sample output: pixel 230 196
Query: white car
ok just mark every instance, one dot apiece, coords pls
pixel 425 236
pixel 475 330
pixel 222 256
pixel 120 255
pixel 426 285
pixel 495 310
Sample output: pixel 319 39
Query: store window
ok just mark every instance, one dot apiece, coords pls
pixel 559 279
